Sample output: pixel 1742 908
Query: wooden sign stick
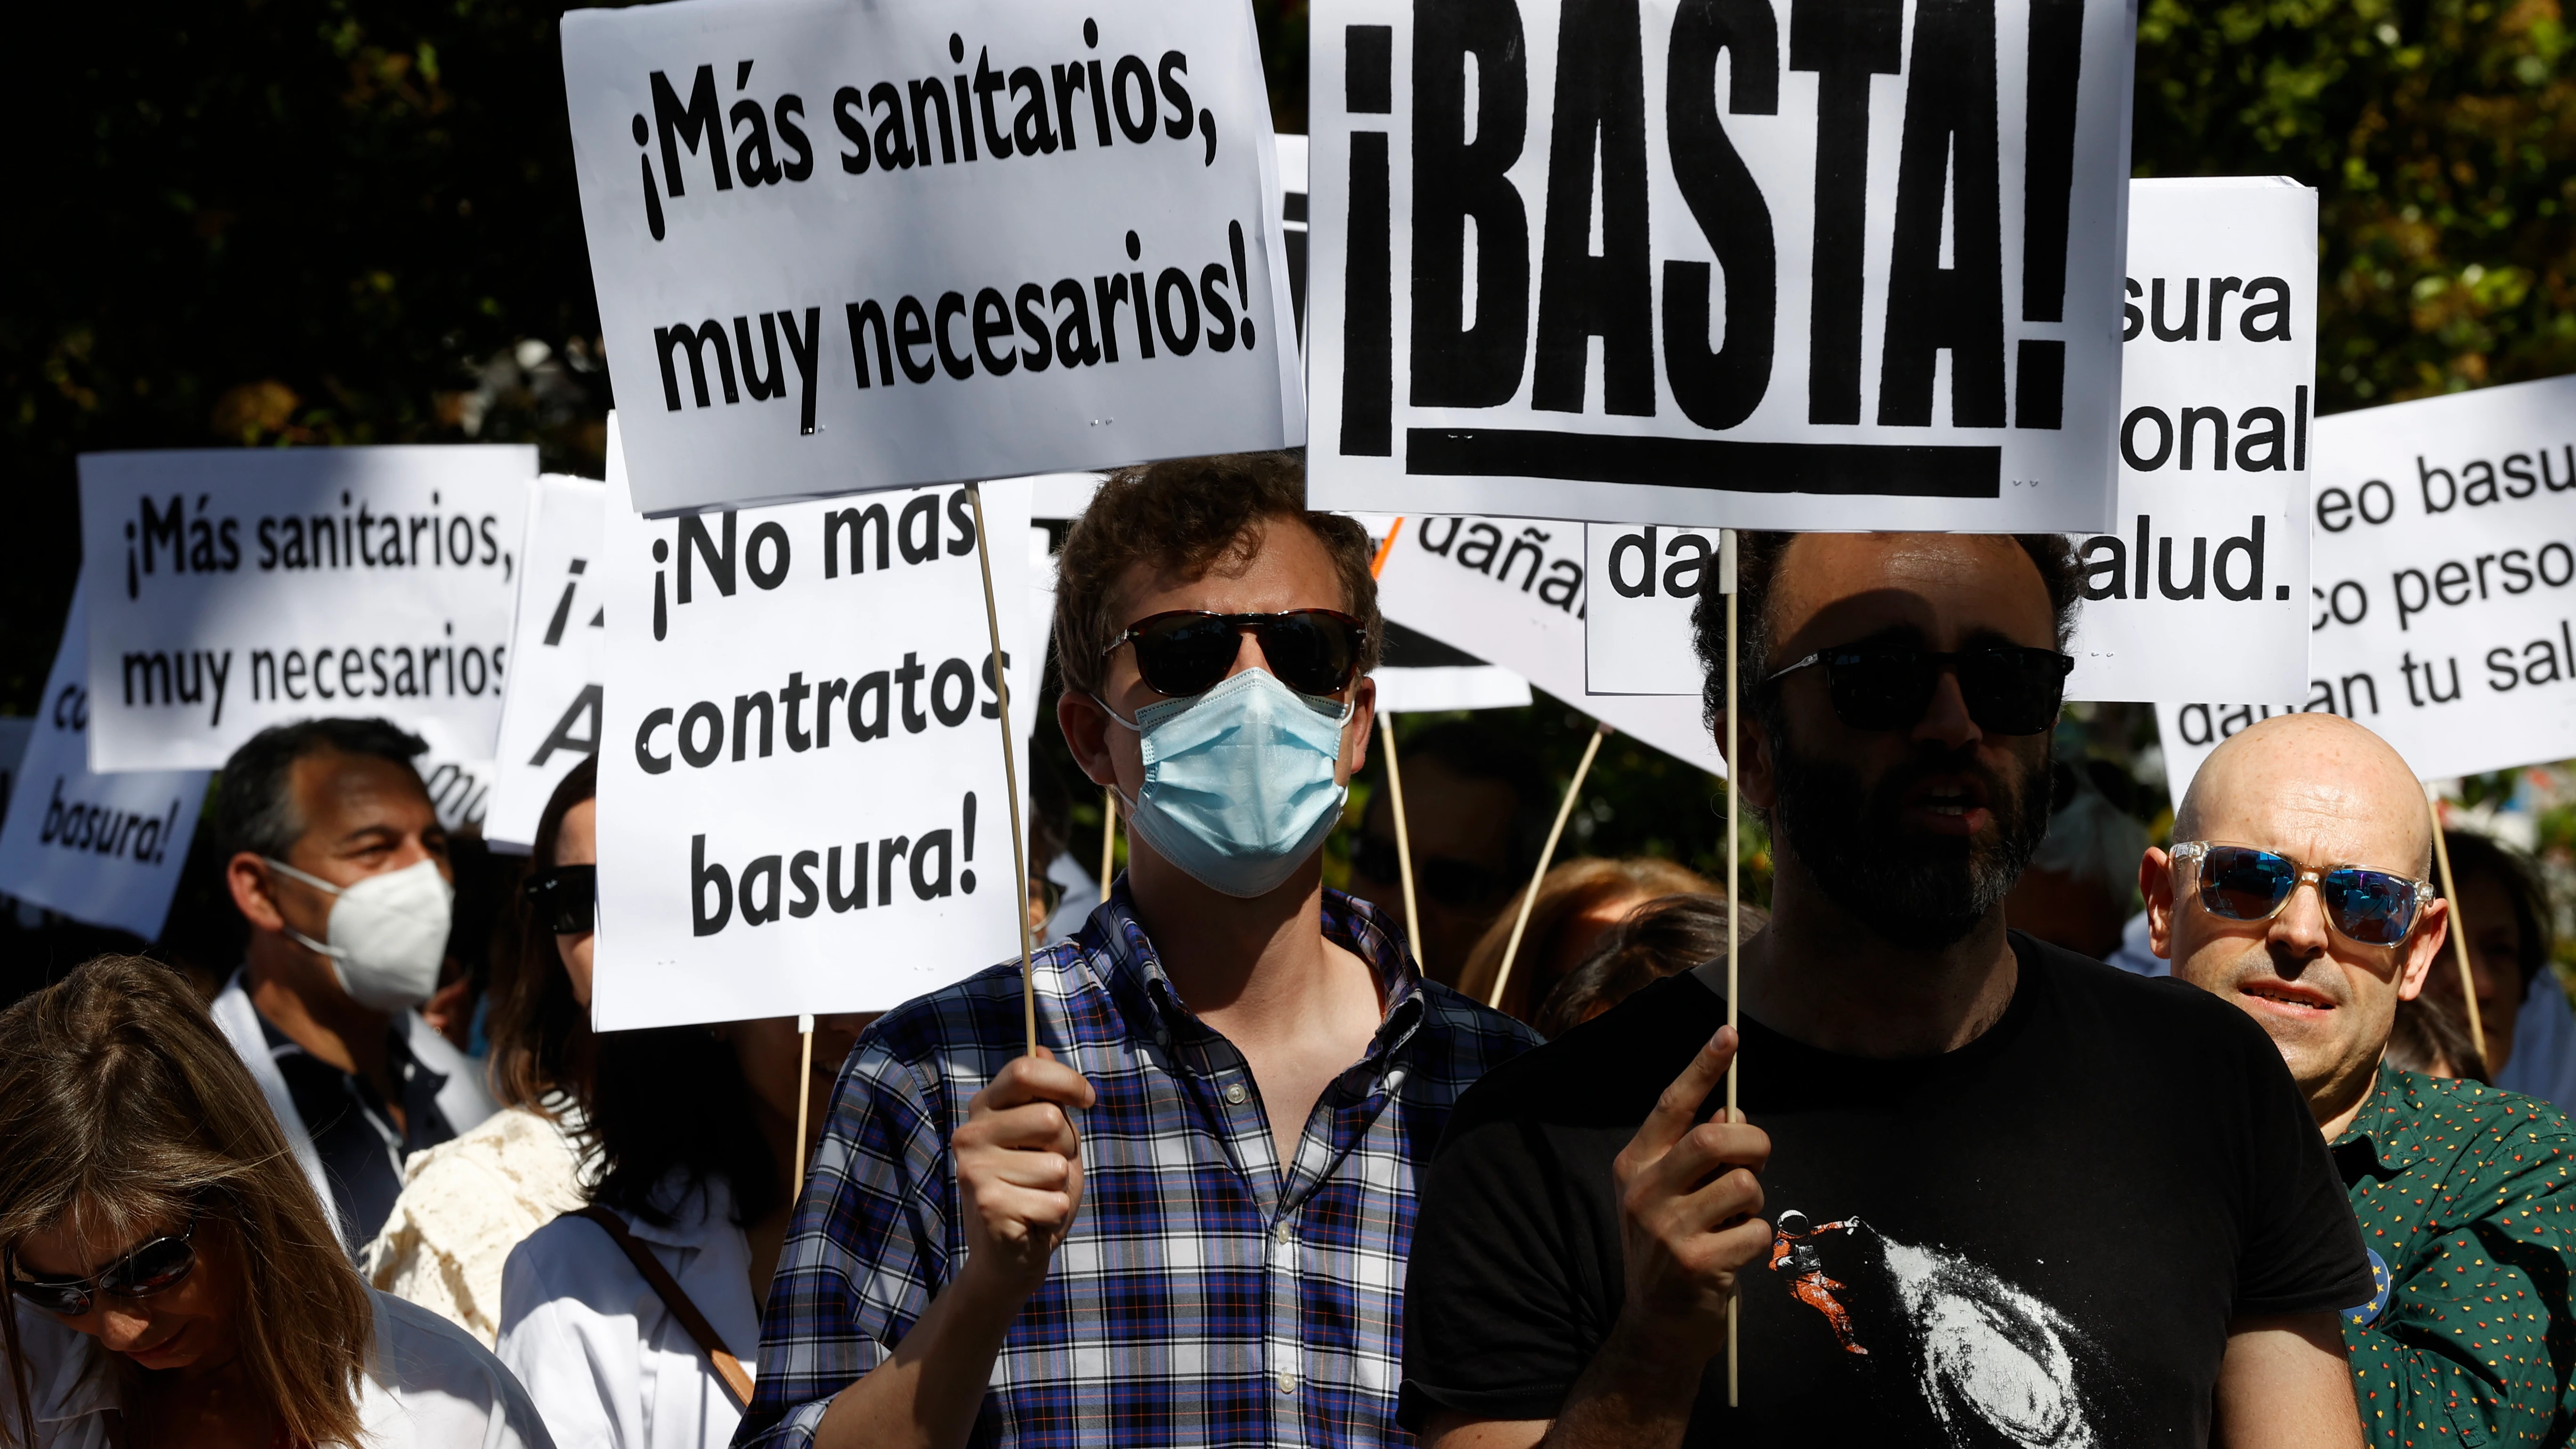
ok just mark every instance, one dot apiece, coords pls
pixel 1010 773
pixel 1734 805
pixel 804 1103
pixel 1520 923
pixel 2459 936
pixel 1403 843
pixel 1108 836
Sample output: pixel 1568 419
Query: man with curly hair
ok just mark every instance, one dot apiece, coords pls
pixel 1184 1222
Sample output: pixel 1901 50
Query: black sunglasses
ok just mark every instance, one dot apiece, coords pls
pixel 1187 651
pixel 154 1265
pixel 2241 883
pixel 565 898
pixel 1886 686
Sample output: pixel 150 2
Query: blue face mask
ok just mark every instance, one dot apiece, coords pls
pixel 1239 785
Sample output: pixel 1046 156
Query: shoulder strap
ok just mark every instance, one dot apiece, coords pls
pixel 728 1368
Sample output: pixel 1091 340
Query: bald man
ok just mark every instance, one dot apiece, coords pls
pixel 2296 888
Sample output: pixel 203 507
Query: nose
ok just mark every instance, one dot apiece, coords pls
pixel 1945 720
pixel 2300 929
pixel 1247 654
pixel 121 1326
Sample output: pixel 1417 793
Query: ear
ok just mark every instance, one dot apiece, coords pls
pixel 2156 888
pixel 1355 731
pixel 1754 778
pixel 2424 948
pixel 246 877
pixel 1086 729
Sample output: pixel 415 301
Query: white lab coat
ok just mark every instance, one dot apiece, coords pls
pixel 428 1385
pixel 608 1364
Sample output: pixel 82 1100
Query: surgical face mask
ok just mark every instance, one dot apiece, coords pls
pixel 388 933
pixel 1239 782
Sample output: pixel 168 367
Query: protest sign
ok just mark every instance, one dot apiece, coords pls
pixel 1512 591
pixel 550 716
pixel 801 799
pixel 1626 262
pixel 972 239
pixel 2202 588
pixel 1637 633
pixel 105 849
pixel 1292 223
pixel 245 587
pixel 1418 674
pixel 2440 604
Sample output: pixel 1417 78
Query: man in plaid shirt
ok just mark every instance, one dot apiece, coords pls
pixel 1186 1221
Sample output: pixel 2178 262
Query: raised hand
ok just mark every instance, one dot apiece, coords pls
pixel 1019 1168
pixel 1687 1195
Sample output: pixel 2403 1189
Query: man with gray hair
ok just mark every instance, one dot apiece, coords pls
pixel 2297 889
pixel 337 861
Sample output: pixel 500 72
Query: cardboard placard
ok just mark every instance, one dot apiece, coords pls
pixel 245 587
pixel 801 797
pixel 1512 591
pixel 2202 588
pixel 105 849
pixel 1748 262
pixel 844 248
pixel 2442 602
pixel 551 716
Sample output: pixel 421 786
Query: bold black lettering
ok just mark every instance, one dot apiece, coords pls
pixel 696 339
pixel 1720 389
pixel 1600 97
pixel 691 123
pixel 863 315
pixel 1947 164
pixel 1845 42
pixel 1462 182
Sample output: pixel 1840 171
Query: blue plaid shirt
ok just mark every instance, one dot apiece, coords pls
pixel 1205 1296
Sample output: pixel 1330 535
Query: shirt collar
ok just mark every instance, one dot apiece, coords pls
pixel 1134 970
pixel 2385 1127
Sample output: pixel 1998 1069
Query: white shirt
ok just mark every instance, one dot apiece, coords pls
pixel 466 1203
pixel 607 1363
pixel 427 1385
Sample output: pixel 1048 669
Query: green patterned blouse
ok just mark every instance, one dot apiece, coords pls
pixel 2465 1203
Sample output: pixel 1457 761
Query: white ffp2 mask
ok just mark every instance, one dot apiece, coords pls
pixel 388 933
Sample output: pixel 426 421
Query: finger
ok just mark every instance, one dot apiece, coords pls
pixel 1704 1152
pixel 1035 1079
pixel 1718 1206
pixel 1041 1170
pixel 1678 1108
pixel 1036 1127
pixel 1024 1211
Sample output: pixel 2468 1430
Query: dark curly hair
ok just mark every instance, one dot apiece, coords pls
pixel 1758 559
pixel 1190 517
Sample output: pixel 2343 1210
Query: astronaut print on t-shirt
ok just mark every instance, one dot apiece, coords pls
pixel 1989 1363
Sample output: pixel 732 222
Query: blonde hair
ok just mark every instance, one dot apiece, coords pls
pixel 1573 889
pixel 121 1100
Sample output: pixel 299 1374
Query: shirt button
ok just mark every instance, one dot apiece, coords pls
pixel 1284 1233
pixel 1286 1382
pixel 1235 1095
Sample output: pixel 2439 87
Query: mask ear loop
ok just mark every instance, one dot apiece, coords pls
pixel 334 953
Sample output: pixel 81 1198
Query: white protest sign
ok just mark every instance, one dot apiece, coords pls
pixel 1637 635
pixel 852 247
pixel 2443 584
pixel 1511 590
pixel 1690 260
pixel 105 849
pixel 246 587
pixel 550 717
pixel 801 798
pixel 2202 589
pixel 1292 225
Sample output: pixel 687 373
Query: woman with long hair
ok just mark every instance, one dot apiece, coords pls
pixel 635 1323
pixel 466 1203
pixel 1577 902
pixel 173 1277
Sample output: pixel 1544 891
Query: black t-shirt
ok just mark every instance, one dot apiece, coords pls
pixel 2037 1239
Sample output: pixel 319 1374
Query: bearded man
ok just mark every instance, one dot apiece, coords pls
pixel 2097 1210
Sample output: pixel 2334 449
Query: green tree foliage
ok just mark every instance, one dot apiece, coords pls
pixel 256 222
pixel 2441 137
